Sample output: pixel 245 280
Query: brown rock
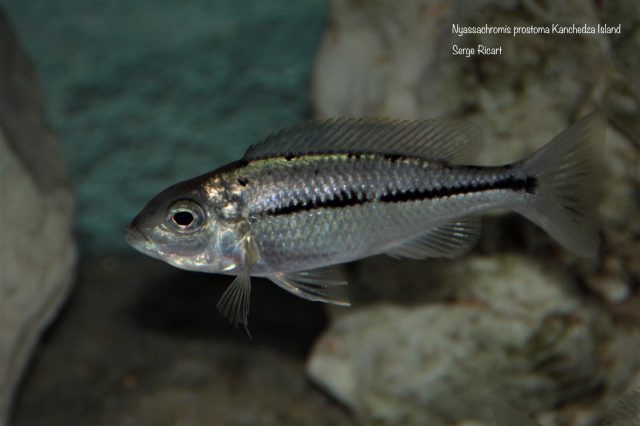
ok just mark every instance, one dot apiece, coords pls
pixel 37 246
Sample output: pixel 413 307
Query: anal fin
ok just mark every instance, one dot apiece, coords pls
pixel 319 285
pixel 448 240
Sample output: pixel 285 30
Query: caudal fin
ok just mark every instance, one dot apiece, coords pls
pixel 566 172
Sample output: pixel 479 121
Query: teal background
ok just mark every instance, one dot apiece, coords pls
pixel 147 93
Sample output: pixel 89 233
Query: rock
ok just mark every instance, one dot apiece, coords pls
pixel 36 216
pixel 385 58
pixel 517 330
pixel 626 411
pixel 620 213
pixel 381 58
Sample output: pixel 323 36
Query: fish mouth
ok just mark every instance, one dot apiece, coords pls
pixel 139 241
pixel 136 238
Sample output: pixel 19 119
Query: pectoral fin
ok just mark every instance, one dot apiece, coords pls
pixel 234 303
pixel 320 285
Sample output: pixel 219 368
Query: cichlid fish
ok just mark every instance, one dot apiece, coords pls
pixel 328 192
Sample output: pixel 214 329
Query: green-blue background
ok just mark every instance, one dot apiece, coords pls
pixel 147 93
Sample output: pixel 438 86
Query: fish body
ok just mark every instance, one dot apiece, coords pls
pixel 366 203
pixel 330 192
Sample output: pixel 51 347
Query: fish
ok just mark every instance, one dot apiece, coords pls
pixel 326 192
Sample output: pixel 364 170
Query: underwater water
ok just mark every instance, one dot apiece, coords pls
pixel 145 94
pixel 141 343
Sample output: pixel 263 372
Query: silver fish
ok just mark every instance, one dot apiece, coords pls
pixel 328 192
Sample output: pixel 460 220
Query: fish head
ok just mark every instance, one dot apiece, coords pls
pixel 177 226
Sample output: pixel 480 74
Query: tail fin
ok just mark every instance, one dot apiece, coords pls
pixel 566 170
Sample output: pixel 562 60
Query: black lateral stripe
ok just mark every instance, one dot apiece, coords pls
pixel 351 198
pixel 394 157
pixel 342 199
pixel 511 183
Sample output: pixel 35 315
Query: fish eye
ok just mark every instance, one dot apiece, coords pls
pixel 185 216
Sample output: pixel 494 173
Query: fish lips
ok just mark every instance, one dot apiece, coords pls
pixel 139 241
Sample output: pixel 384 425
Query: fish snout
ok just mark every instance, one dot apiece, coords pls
pixel 133 236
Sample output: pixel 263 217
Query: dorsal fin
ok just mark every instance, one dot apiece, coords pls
pixel 441 139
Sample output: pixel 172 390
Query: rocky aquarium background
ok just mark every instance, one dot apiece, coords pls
pixel 136 96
